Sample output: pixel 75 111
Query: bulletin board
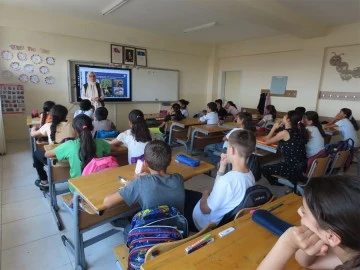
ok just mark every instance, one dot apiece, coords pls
pixel 12 98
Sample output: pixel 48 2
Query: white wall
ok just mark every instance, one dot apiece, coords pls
pixel 69 38
pixel 303 61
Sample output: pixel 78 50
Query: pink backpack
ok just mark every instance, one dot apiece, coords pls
pixel 99 164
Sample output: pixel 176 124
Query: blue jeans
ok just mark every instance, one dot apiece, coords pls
pixel 211 148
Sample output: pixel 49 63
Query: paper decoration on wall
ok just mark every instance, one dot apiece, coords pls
pixel 34 79
pixel 343 67
pixel 17 47
pixel 6 74
pixel 7 55
pixel 12 98
pixel 44 70
pixel 50 80
pixel 23 78
pixel 50 60
pixel 22 56
pixel 36 59
pixel 29 68
pixel 31 49
pixel 15 66
pixel 44 51
pixel 278 85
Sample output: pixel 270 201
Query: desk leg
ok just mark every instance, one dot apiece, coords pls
pixel 32 142
pixel 170 133
pixel 78 257
pixel 192 141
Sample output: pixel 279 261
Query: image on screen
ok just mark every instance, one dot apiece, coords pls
pixel 115 82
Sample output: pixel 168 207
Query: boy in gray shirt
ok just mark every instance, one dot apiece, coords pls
pixel 156 188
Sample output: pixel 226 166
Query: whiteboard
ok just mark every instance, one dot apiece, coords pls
pixel 155 84
pixel 147 84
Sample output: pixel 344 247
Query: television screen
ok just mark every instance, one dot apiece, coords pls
pixel 115 82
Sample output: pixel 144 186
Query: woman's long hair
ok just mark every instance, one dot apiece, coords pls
pixel 349 116
pixel 139 128
pixel 334 202
pixel 58 113
pixel 296 124
pixel 83 126
pixel 314 117
pixel 47 106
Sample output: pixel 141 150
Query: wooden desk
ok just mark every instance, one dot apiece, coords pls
pixel 32 121
pixel 183 124
pixel 270 148
pixel 244 248
pixel 331 131
pixel 93 188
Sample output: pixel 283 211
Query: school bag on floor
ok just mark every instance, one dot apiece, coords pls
pixel 99 164
pixel 334 148
pixel 153 226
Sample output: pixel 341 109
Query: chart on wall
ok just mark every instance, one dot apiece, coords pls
pixel 27 64
pixel 12 98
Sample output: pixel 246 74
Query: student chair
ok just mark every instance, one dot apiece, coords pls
pixel 339 161
pixel 318 168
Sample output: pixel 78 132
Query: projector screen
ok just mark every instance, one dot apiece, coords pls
pixel 115 82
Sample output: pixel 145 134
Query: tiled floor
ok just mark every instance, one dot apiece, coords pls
pixel 29 236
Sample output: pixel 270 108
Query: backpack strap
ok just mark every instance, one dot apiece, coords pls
pixel 99 94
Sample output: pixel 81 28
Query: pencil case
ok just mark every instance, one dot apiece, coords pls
pixel 270 222
pixel 187 160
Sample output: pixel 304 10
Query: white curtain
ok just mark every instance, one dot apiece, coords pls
pixel 2 134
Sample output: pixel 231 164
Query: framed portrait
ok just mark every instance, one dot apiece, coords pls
pixel 129 56
pixel 116 54
pixel 141 57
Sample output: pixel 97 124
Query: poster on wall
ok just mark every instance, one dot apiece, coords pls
pixel 141 57
pixel 12 98
pixel 116 54
pixel 278 85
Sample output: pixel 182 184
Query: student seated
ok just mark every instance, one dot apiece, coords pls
pixel 329 235
pixel 222 113
pixel 211 117
pixel 269 117
pixel 231 108
pixel 154 189
pixel 301 111
pixel 101 122
pixel 56 131
pixel 135 138
pixel 45 116
pixel 81 151
pixel 229 189
pixel 183 107
pixel 316 133
pixel 85 108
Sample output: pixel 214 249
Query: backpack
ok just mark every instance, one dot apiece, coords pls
pixel 332 149
pixel 99 164
pixel 98 90
pixel 153 226
pixel 253 164
pixel 254 196
pixel 102 134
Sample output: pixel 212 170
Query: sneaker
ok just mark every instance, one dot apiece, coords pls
pixel 41 183
pixel 119 224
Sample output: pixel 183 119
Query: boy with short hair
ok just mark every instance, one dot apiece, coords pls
pixel 101 122
pixel 211 117
pixel 156 188
pixel 229 189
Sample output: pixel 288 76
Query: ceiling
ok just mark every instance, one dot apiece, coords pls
pixel 236 19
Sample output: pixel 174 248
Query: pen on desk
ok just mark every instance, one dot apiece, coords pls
pixel 198 243
pixel 275 207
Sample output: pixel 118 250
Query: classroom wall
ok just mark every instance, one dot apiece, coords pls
pixel 71 38
pixel 304 61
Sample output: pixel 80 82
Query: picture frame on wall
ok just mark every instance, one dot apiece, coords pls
pixel 116 54
pixel 141 57
pixel 129 56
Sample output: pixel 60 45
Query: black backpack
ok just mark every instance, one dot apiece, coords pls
pixel 98 90
pixel 255 196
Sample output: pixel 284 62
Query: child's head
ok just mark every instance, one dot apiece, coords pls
pixel 241 144
pixel 311 118
pixel 175 107
pixel 83 127
pixel 157 155
pixel 139 128
pixel 331 209
pixel 218 104
pixel 85 105
pixel 245 120
pixel 300 110
pixel 101 113
pixel 183 103
pixel 294 120
pixel 271 109
pixel 47 106
pixel 347 113
pixel 58 114
pixel 204 112
pixel 230 103
pixel 211 107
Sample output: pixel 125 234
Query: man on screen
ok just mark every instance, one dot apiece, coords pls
pixel 92 91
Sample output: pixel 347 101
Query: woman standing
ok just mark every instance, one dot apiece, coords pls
pixel 92 91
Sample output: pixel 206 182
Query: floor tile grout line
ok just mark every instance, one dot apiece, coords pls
pixel 27 199
pixel 5 223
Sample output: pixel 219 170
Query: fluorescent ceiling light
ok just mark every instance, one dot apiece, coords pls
pixel 199 27
pixel 114 6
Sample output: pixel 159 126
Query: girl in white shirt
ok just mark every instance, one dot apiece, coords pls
pixel 270 117
pixel 85 108
pixel 316 133
pixel 135 138
pixel 211 117
pixel 183 107
pixel 347 124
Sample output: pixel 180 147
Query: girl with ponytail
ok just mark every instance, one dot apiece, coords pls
pixel 135 138
pixel 83 149
pixel 329 235
pixel 347 125
pixel 45 116
pixel 316 133
pixel 291 142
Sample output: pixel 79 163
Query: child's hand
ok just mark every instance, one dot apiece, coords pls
pixel 277 124
pixel 308 241
pixel 223 159
pixel 206 193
